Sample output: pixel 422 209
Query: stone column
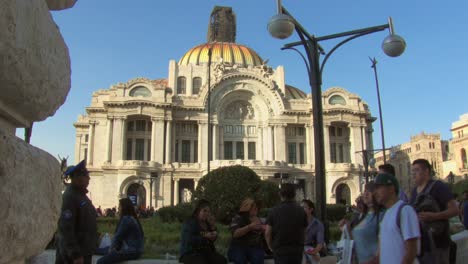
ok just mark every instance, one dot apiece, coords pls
pixel 176 191
pixel 202 142
pixel 215 142
pixel 92 125
pixel 78 148
pixel 326 142
pixel 118 139
pixel 157 140
pixel 192 151
pixel 169 142
pixel 309 148
pixel 259 147
pixel 280 142
pixel 246 149
pixel 195 183
pixel 200 145
pixel 269 143
pixel 110 125
pixel 221 142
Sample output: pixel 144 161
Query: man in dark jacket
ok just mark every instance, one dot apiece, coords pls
pixel 285 228
pixel 77 230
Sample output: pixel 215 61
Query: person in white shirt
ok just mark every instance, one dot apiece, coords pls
pixel 399 230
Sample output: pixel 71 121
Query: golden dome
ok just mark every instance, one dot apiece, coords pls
pixel 230 53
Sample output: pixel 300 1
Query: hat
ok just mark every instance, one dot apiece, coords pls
pixel 387 179
pixel 78 167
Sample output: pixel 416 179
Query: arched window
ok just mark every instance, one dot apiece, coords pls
pixel 463 158
pixel 197 82
pixel 140 91
pixel 181 85
pixel 337 99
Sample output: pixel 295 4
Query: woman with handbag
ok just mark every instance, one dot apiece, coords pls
pixel 128 240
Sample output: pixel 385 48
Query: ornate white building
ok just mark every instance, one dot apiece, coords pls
pixel 145 128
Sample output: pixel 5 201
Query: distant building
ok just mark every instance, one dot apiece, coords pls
pixel 421 146
pixel 457 159
pixel 144 127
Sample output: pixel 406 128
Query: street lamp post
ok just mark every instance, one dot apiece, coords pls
pixel 374 66
pixel 152 179
pixel 210 137
pixel 281 26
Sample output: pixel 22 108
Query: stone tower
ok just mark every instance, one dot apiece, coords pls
pixel 222 26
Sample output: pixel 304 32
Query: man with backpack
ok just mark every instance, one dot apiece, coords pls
pixel 434 203
pixel 399 230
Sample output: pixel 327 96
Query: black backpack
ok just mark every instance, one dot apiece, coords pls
pixel 426 203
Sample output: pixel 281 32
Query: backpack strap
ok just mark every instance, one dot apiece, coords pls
pixel 429 188
pixel 398 215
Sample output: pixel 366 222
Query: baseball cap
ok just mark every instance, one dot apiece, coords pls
pixel 387 179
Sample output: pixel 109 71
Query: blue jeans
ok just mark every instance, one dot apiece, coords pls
pixel 243 254
pixel 116 257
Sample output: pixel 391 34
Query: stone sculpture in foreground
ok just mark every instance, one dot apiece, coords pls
pixel 34 83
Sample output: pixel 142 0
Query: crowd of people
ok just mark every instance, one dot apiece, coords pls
pixel 412 229
pixel 388 227
pixel 112 212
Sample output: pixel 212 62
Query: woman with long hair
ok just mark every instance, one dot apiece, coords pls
pixel 314 235
pixel 365 232
pixel 247 235
pixel 128 240
pixel 198 237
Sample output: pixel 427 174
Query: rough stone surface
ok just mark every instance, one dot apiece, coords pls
pixel 31 199
pixel 60 4
pixel 34 62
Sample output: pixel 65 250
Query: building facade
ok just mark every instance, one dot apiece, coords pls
pixel 422 146
pixel 457 162
pixel 148 128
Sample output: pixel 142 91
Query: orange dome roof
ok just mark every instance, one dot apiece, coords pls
pixel 230 52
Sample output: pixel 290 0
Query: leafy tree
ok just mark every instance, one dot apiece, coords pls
pixel 226 187
pixel 268 194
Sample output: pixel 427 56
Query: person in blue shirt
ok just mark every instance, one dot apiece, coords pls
pixel 365 231
pixel 128 240
pixel 314 234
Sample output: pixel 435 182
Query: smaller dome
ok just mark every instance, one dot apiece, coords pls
pixel 294 93
pixel 230 53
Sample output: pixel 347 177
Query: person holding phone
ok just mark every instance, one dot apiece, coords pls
pixel 247 235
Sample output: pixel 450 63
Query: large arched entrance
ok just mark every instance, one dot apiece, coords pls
pixel 343 194
pixel 137 193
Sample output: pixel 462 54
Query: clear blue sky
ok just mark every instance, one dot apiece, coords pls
pixel 425 89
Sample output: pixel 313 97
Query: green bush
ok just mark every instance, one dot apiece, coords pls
pixel 336 212
pixel 162 238
pixel 178 213
pixel 225 188
pixel 268 194
pixel 460 187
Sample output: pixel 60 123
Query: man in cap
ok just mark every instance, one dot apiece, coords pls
pixel 77 230
pixel 399 230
